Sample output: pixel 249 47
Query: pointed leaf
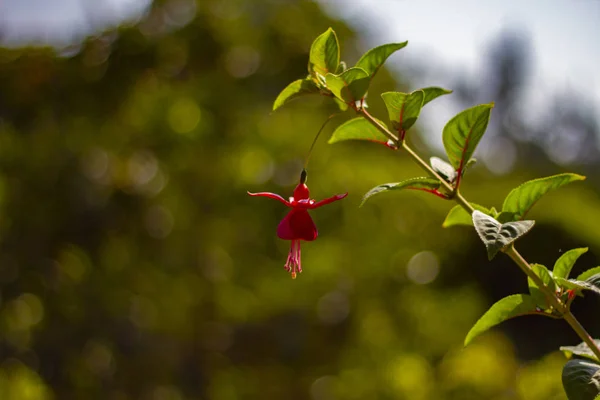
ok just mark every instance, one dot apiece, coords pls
pixel 458 216
pixel 373 59
pixel 564 264
pixel 432 93
pixel 463 132
pixel 521 199
pixel 341 68
pixel 504 309
pixel 538 296
pixel 506 216
pixel 357 129
pixel 470 163
pixel 443 168
pixel 496 236
pixel 581 379
pixel 324 54
pixel 341 105
pixel 576 285
pixel 413 183
pixel 349 86
pixel 403 108
pixel 295 89
pixel 581 350
pixel 584 276
pixel 594 280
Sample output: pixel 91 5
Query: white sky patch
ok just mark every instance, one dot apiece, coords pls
pixel 61 22
pixel 453 36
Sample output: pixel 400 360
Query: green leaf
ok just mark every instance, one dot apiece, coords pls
pixel 458 216
pixel 341 68
pixel 443 168
pixel 594 280
pixel 504 309
pixel 373 59
pixel 506 216
pixel 538 296
pixel 576 285
pixel 357 129
pixel 463 132
pixel 324 54
pixel 413 183
pixel 584 276
pixel 341 105
pixel 581 350
pixel 581 379
pixel 403 108
pixel 521 199
pixel 495 235
pixel 470 163
pixel 295 89
pixel 431 93
pixel 564 264
pixel 349 86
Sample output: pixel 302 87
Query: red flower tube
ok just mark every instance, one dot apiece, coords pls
pixel 297 225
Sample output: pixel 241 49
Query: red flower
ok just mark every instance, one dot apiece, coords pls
pixel 297 225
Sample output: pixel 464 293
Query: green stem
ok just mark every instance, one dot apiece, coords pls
pixel 410 152
pixel 510 250
pixel 554 301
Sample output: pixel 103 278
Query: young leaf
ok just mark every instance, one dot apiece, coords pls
pixel 564 264
pixel 576 285
pixel 413 183
pixel 403 108
pixel 443 168
pixel 504 309
pixel 506 216
pixel 470 163
pixel 581 379
pixel 293 90
pixel 581 350
pixel 538 296
pixel 431 93
pixel 357 129
pixel 584 276
pixel 463 132
pixel 521 199
pixel 350 86
pixel 324 54
pixel 495 235
pixel 373 59
pixel 594 280
pixel 458 216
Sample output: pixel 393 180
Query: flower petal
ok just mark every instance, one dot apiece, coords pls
pixel 271 196
pixel 297 225
pixel 329 200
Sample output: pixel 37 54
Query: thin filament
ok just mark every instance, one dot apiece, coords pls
pixel 312 146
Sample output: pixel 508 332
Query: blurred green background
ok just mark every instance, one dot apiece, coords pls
pixel 134 266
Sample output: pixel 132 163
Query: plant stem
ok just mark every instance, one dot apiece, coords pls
pixel 510 250
pixel 554 301
pixel 410 152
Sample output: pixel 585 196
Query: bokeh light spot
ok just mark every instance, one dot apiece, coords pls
pixel 184 115
pixel 423 268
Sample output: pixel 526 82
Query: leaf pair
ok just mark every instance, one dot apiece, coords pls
pixel 518 202
pixel 497 236
pixel 536 302
pixel 329 76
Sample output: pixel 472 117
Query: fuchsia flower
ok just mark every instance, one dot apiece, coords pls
pixel 297 225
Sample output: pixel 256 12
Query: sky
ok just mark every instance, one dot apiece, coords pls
pixel 454 35
pixel 449 36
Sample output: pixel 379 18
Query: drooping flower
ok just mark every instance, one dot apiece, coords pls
pixel 298 225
